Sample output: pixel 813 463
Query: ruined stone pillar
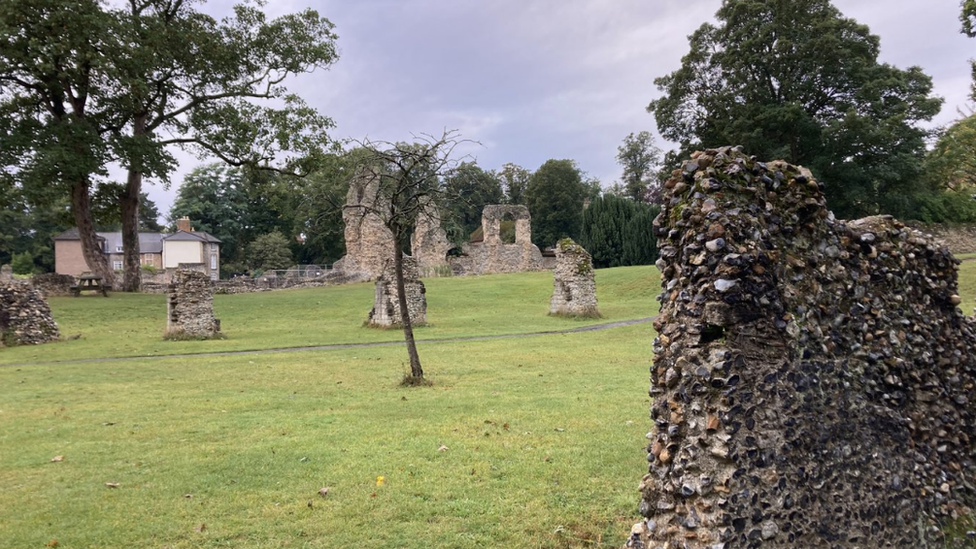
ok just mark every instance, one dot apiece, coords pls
pixel 25 317
pixel 386 304
pixel 189 307
pixel 573 283
pixel 6 273
pixel 813 382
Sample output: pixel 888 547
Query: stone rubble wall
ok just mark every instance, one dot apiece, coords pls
pixel 429 243
pixel 190 306
pixel 960 239
pixel 53 284
pixel 494 256
pixel 368 242
pixel 25 317
pixel 573 282
pixel 386 307
pixel 814 382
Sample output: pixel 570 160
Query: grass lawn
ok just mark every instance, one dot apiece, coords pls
pixel 543 434
pixel 133 324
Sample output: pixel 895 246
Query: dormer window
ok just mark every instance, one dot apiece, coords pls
pixel 119 249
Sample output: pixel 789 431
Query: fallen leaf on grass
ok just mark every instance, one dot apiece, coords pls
pixel 380 480
pixel 309 504
pixel 200 528
pixel 52 543
pixel 112 484
pixel 547 459
pixel 56 459
pixel 443 448
pixel 324 491
pixel 188 496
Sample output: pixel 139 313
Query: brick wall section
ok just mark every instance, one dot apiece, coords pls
pixel 189 311
pixel 813 381
pixel 386 304
pixel 25 317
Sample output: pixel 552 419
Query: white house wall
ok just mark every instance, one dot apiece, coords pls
pixel 176 252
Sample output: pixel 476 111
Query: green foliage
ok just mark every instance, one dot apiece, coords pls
pixel 800 82
pixel 968 19
pixel 269 252
pixel 471 189
pixel 952 161
pixel 640 160
pixel 29 219
pixel 149 269
pixel 22 263
pixel 619 231
pixel 555 196
pixel 514 179
pixel 213 197
pixel 108 216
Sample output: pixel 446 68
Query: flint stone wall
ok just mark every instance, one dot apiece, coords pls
pixel 494 256
pixel 190 306
pixel 368 242
pixel 25 317
pixel 813 382
pixel 6 273
pixel 429 243
pixel 53 284
pixel 960 239
pixel 386 305
pixel 573 283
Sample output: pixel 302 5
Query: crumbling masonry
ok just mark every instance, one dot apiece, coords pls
pixel 189 311
pixel 368 242
pixel 573 283
pixel 386 305
pixel 814 382
pixel 495 256
pixel 25 317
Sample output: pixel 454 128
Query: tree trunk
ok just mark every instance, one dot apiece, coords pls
pixel 416 372
pixel 132 274
pixel 91 248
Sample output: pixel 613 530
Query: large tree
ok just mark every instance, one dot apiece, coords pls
pixel 555 196
pixel 640 159
pixel 618 231
pixel 214 199
pixel 189 80
pixel 514 180
pixel 794 79
pixel 55 115
pixel 86 83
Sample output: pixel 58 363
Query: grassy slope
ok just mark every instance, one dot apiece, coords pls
pixel 132 324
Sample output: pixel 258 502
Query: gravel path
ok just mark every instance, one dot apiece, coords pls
pixel 590 328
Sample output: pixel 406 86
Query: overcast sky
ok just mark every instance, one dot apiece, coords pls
pixel 538 79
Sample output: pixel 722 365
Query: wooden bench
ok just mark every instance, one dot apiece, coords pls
pixel 89 283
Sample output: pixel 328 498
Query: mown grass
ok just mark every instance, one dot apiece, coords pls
pixel 543 438
pixel 133 324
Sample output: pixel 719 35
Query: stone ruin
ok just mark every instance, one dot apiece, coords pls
pixel 368 242
pixel 6 273
pixel 573 283
pixel 386 306
pixel 25 317
pixel 814 382
pixel 189 307
pixel 429 243
pixel 495 256
pixel 53 284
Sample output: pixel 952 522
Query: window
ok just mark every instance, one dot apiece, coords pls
pixel 119 249
pixel 117 265
pixel 213 261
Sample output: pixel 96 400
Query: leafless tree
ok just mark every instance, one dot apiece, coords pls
pixel 409 181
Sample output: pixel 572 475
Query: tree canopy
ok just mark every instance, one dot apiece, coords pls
pixel 472 188
pixel 796 80
pixel 555 196
pixel 640 159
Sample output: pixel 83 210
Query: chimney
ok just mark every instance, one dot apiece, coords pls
pixel 183 224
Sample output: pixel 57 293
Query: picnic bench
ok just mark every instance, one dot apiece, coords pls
pixel 89 282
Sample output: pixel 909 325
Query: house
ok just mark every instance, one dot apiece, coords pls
pixel 189 246
pixel 162 251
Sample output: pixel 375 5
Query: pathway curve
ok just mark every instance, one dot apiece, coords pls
pixel 590 328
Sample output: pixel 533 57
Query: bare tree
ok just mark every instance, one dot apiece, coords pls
pixel 409 182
